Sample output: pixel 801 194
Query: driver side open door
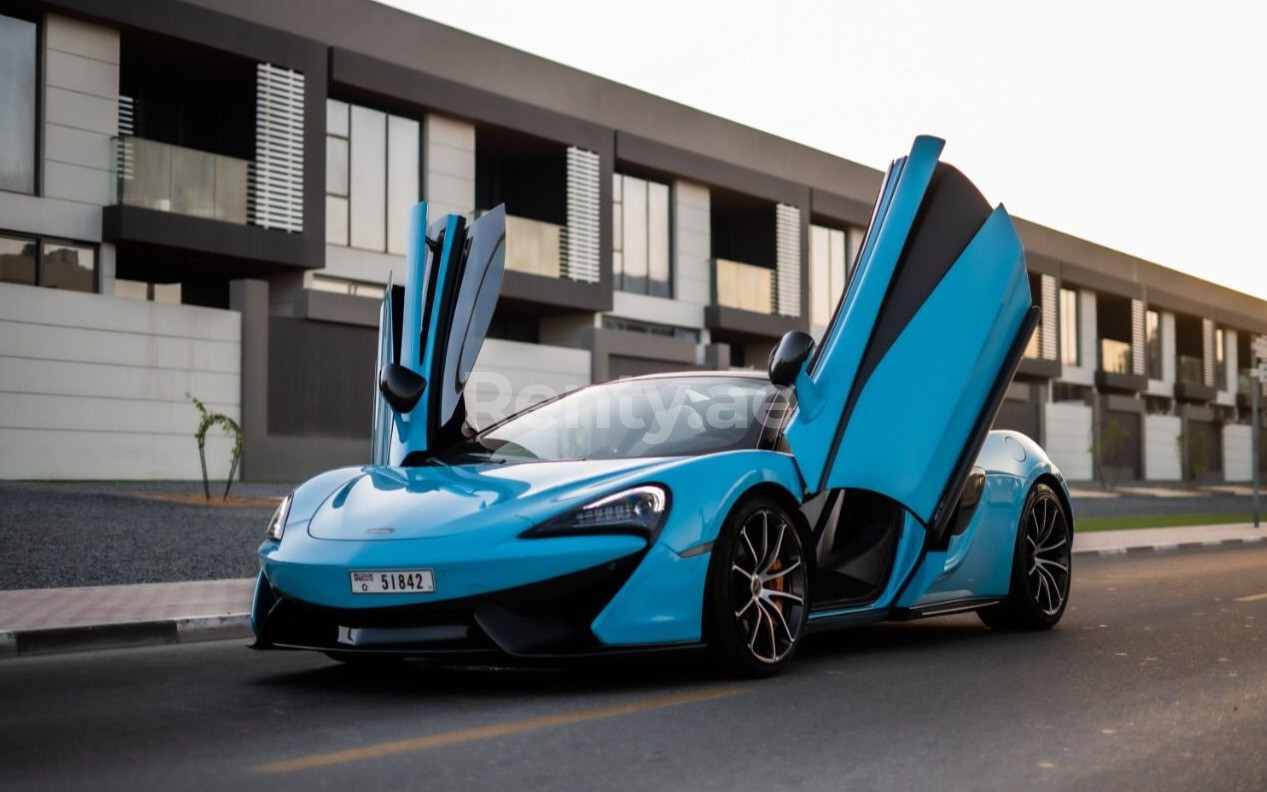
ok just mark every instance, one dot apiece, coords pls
pixel 431 330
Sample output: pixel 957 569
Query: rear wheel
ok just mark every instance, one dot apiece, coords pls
pixel 758 588
pixel 1040 567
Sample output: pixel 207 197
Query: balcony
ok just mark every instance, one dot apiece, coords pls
pixel 1115 356
pixel 533 246
pixel 539 277
pixel 1117 370
pixel 166 197
pixel 745 304
pixel 169 178
pixel 745 287
pixel 1190 380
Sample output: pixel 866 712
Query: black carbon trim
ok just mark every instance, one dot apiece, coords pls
pixel 552 617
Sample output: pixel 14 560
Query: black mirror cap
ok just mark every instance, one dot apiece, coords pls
pixel 788 358
pixel 402 387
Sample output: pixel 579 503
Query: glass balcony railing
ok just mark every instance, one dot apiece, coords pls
pixel 1115 356
pixel 1190 370
pixel 170 178
pixel 533 246
pixel 743 286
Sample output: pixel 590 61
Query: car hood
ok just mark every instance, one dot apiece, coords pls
pixel 387 503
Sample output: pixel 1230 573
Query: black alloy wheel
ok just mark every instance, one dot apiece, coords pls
pixel 1041 567
pixel 758 590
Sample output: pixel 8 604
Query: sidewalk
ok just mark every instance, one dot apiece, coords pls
pixel 47 621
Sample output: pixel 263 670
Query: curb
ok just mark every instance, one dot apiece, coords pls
pixel 1170 547
pixel 59 640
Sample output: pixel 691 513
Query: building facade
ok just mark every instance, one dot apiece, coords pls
pixel 207 198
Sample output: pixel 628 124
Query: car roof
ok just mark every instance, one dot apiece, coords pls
pixel 753 374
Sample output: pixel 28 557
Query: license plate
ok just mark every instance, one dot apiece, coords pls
pixel 394 581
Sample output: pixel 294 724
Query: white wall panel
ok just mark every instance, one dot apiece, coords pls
pixel 1161 448
pixel 94 387
pixel 403 149
pixel 692 243
pixel 368 189
pixel 448 161
pixel 64 34
pixel 1168 348
pixel 1069 439
pixel 510 376
pixel 78 73
pixel 76 183
pixel 1238 452
pixel 81 112
pixel 44 454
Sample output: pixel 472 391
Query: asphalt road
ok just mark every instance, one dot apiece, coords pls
pixel 1156 679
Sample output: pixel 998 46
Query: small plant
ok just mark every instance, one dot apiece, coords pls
pixel 1198 456
pixel 1110 450
pixel 230 427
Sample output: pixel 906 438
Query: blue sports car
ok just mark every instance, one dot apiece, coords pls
pixel 734 512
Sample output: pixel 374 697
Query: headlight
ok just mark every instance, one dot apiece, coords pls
pixel 277 523
pixel 638 510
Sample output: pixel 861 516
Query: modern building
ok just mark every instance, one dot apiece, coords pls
pixel 208 196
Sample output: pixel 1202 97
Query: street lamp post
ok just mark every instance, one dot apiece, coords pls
pixel 1255 392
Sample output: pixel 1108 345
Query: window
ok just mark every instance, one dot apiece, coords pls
pixel 52 263
pixel 18 56
pixel 1069 330
pixel 1034 349
pixel 1220 358
pixel 831 252
pixel 1152 343
pixel 640 236
pixel 372 177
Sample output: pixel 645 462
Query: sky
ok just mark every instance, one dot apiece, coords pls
pixel 1139 126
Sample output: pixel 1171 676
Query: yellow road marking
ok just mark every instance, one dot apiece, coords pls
pixel 1252 598
pixel 486 732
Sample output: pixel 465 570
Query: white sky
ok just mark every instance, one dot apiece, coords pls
pixel 1140 126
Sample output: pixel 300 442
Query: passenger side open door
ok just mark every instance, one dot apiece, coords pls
pixel 898 397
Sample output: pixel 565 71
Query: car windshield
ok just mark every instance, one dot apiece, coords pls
pixel 661 416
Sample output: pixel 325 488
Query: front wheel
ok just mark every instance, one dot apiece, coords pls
pixel 758 587
pixel 1041 565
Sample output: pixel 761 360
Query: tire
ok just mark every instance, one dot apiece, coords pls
pixel 1041 568
pixel 757 590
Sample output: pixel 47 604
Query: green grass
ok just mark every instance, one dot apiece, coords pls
pixel 1157 521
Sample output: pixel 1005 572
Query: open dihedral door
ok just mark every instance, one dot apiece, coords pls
pixel 431 330
pixel 899 396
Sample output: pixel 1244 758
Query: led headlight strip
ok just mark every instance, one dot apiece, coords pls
pixel 638 510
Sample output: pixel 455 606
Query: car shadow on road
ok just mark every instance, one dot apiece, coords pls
pixel 433 680
pixel 631 674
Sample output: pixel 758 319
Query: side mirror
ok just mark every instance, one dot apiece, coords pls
pixel 402 387
pixel 788 358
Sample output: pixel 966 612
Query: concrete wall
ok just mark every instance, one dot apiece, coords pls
pixel 94 387
pixel 1069 439
pixel 1162 460
pixel 448 161
pixel 1238 452
pixel 692 243
pixel 511 375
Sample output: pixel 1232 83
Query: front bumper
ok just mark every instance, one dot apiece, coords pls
pixel 546 619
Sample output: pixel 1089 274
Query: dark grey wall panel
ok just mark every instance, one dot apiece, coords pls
pixel 320 378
